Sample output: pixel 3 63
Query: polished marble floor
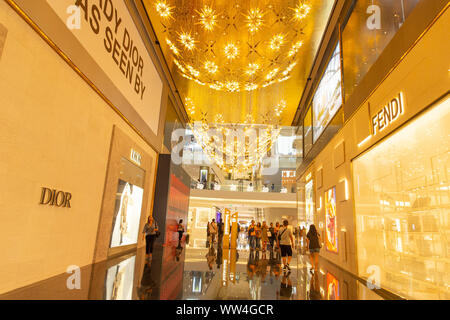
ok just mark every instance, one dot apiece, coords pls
pixel 200 274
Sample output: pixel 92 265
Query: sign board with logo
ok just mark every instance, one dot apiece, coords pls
pixel 388 114
pixel 53 197
pixel 135 157
pixel 108 33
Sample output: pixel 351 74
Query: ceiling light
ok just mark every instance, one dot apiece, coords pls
pixel 187 40
pixel 276 42
pixel 208 18
pixel 163 9
pixel 211 67
pixel 172 47
pixel 301 11
pixel 231 51
pixel 254 20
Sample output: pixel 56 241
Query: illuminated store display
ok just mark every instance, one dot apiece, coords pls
pixel 332 287
pixel 402 207
pixel 331 224
pixel 120 279
pixel 308 132
pixel 309 202
pixel 127 214
pixel 328 97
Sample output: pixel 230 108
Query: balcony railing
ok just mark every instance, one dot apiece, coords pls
pixel 244 187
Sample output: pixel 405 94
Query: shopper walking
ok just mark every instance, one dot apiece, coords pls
pixel 213 231
pixel 252 235
pixel 286 240
pixel 313 241
pixel 150 234
pixel 271 235
pixel 258 231
pixel 276 229
pixel 264 236
pixel 180 230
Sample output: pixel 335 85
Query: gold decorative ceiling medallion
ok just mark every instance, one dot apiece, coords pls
pixel 234 46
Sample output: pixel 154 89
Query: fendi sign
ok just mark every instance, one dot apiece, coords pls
pixel 53 197
pixel 388 114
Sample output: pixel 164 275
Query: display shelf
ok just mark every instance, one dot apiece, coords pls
pixel 396 273
pixel 419 257
pixel 416 210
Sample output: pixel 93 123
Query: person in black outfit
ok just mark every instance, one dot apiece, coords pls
pixel 272 235
pixel 313 240
pixel 150 234
pixel 220 226
pixel 180 229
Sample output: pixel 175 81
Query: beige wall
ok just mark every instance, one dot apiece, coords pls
pixel 279 214
pixel 423 77
pixel 55 131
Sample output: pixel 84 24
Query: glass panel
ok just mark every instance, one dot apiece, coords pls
pixel 402 203
pixel 331 239
pixel 308 138
pixel 370 28
pixel 309 203
pixel 119 280
pixel 328 97
pixel 127 212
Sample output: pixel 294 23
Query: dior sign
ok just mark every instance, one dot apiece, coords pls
pixel 53 197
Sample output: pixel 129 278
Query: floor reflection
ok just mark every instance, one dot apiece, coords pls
pixel 216 273
pixel 255 275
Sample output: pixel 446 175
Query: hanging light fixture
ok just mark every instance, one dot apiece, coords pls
pixel 239 155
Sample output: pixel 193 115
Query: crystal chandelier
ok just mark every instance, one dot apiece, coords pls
pixel 237 149
pixel 234 46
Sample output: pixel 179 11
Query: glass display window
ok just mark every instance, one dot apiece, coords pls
pixel 128 207
pixel 331 236
pixel 402 207
pixel 328 96
pixel 308 132
pixel 309 202
pixel 370 28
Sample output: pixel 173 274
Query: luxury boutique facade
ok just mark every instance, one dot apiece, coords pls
pixel 332 113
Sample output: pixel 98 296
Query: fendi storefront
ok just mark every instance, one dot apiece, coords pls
pixel 82 114
pixel 379 191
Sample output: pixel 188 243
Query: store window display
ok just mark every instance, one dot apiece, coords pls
pixel 402 203
pixel 127 213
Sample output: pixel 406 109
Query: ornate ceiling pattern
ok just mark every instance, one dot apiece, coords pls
pixel 239 60
pixel 234 46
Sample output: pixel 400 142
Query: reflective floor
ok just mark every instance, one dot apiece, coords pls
pixel 201 274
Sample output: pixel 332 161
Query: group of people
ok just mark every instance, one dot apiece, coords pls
pixel 262 237
pixel 279 237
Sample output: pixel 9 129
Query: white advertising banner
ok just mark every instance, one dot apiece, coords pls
pixel 106 30
pixel 328 97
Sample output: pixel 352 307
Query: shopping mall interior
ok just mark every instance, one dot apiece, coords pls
pixel 141 139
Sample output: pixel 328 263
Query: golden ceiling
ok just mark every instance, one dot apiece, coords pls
pixel 232 59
